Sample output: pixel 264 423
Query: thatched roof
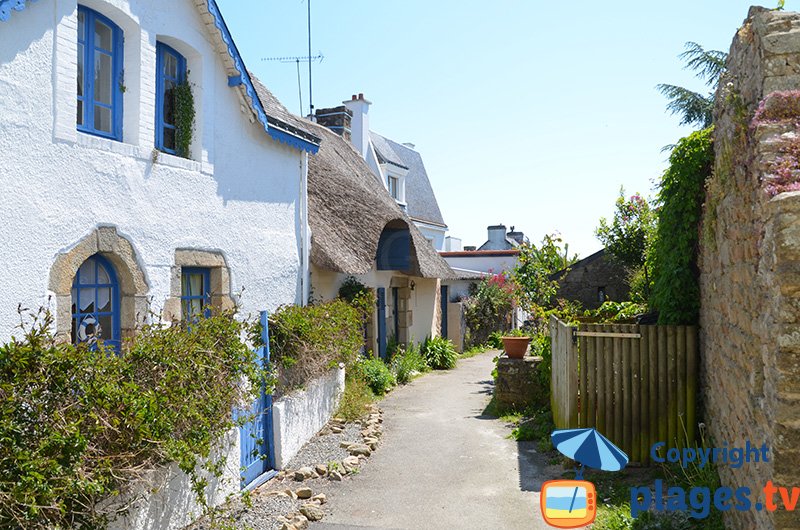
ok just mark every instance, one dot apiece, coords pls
pixel 349 208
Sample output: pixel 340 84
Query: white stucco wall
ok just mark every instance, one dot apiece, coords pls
pixel 435 233
pixel 299 415
pixel 493 264
pixel 241 195
pixel 423 303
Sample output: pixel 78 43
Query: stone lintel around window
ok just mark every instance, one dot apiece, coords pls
pixel 219 278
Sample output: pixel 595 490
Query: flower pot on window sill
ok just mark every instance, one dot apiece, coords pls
pixel 516 347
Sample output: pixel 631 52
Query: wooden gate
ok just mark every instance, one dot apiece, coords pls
pixel 255 436
pixel 635 384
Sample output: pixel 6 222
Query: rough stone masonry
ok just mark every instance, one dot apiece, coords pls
pixel 750 269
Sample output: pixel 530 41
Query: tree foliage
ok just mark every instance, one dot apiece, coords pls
pixel 488 308
pixel 676 291
pixel 533 274
pixel 628 235
pixel 695 108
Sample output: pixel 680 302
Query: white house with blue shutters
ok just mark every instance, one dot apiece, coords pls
pixel 110 216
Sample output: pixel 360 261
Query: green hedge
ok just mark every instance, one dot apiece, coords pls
pixel 77 426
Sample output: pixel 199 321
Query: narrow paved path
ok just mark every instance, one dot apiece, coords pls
pixel 443 463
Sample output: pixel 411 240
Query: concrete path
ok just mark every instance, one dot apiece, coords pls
pixel 442 463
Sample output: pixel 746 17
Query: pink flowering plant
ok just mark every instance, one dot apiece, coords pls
pixel 782 108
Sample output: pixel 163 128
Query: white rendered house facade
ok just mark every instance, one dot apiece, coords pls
pixel 102 222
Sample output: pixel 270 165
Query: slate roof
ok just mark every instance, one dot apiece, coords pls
pixel 421 201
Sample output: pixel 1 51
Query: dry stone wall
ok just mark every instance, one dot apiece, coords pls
pixel 750 266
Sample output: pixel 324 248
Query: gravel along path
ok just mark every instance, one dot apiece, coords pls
pixel 298 494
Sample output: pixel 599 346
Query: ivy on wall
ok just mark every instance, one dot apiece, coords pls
pixel 676 289
pixel 184 117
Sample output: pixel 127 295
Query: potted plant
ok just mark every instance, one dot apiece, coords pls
pixel 515 343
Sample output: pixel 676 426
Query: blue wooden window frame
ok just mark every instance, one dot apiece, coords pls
pixel 90 49
pixel 204 297
pixel 162 50
pixel 85 284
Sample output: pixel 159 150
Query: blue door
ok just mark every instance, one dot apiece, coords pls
pixel 256 435
pixel 382 322
pixel 445 295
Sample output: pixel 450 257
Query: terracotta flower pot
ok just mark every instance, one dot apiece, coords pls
pixel 516 347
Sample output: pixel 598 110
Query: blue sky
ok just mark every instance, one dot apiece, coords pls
pixel 526 113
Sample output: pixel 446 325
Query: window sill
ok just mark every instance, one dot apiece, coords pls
pixel 164 159
pixel 104 144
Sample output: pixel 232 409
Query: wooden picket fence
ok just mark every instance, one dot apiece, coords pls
pixel 635 384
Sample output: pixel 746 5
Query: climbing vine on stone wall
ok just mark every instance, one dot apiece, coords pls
pixel 676 291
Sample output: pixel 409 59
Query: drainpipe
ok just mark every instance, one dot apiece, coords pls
pixel 305 233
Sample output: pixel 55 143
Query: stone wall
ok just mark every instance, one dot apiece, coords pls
pixel 750 315
pixel 586 278
pixel 517 385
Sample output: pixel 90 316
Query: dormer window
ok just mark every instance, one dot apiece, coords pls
pixel 171 72
pixel 394 187
pixel 100 82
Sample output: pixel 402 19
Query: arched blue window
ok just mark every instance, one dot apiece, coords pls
pixel 170 72
pixel 99 75
pixel 95 303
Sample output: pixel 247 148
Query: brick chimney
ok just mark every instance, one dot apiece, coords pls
pixel 360 122
pixel 337 119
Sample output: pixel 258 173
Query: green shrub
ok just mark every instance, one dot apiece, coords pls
pixel 439 353
pixel 78 426
pixel 408 362
pixel 305 342
pixel 377 375
pixel 496 340
pixel 488 308
pixel 356 398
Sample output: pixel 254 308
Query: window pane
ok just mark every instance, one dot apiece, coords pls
pixel 102 275
pixel 86 272
pixel 87 300
pixel 80 69
pixel 103 78
pixel 102 119
pixel 81 26
pixel 104 330
pixel 80 112
pixel 102 36
pixel 169 138
pixel 74 331
pixel 74 301
pixel 169 102
pixel 104 300
pixel 170 65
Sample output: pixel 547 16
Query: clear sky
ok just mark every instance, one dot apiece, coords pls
pixel 526 113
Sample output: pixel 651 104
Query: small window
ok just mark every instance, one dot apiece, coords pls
pixel 99 89
pixel 394 187
pixel 171 72
pixel 601 294
pixel 195 292
pixel 95 304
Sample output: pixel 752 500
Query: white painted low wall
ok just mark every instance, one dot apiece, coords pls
pixel 299 415
pixel 164 499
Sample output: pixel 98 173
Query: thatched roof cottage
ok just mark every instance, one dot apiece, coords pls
pixel 358 229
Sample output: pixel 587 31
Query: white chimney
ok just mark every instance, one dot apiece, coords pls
pixel 359 127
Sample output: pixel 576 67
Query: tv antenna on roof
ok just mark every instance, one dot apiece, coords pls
pixel 297 60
